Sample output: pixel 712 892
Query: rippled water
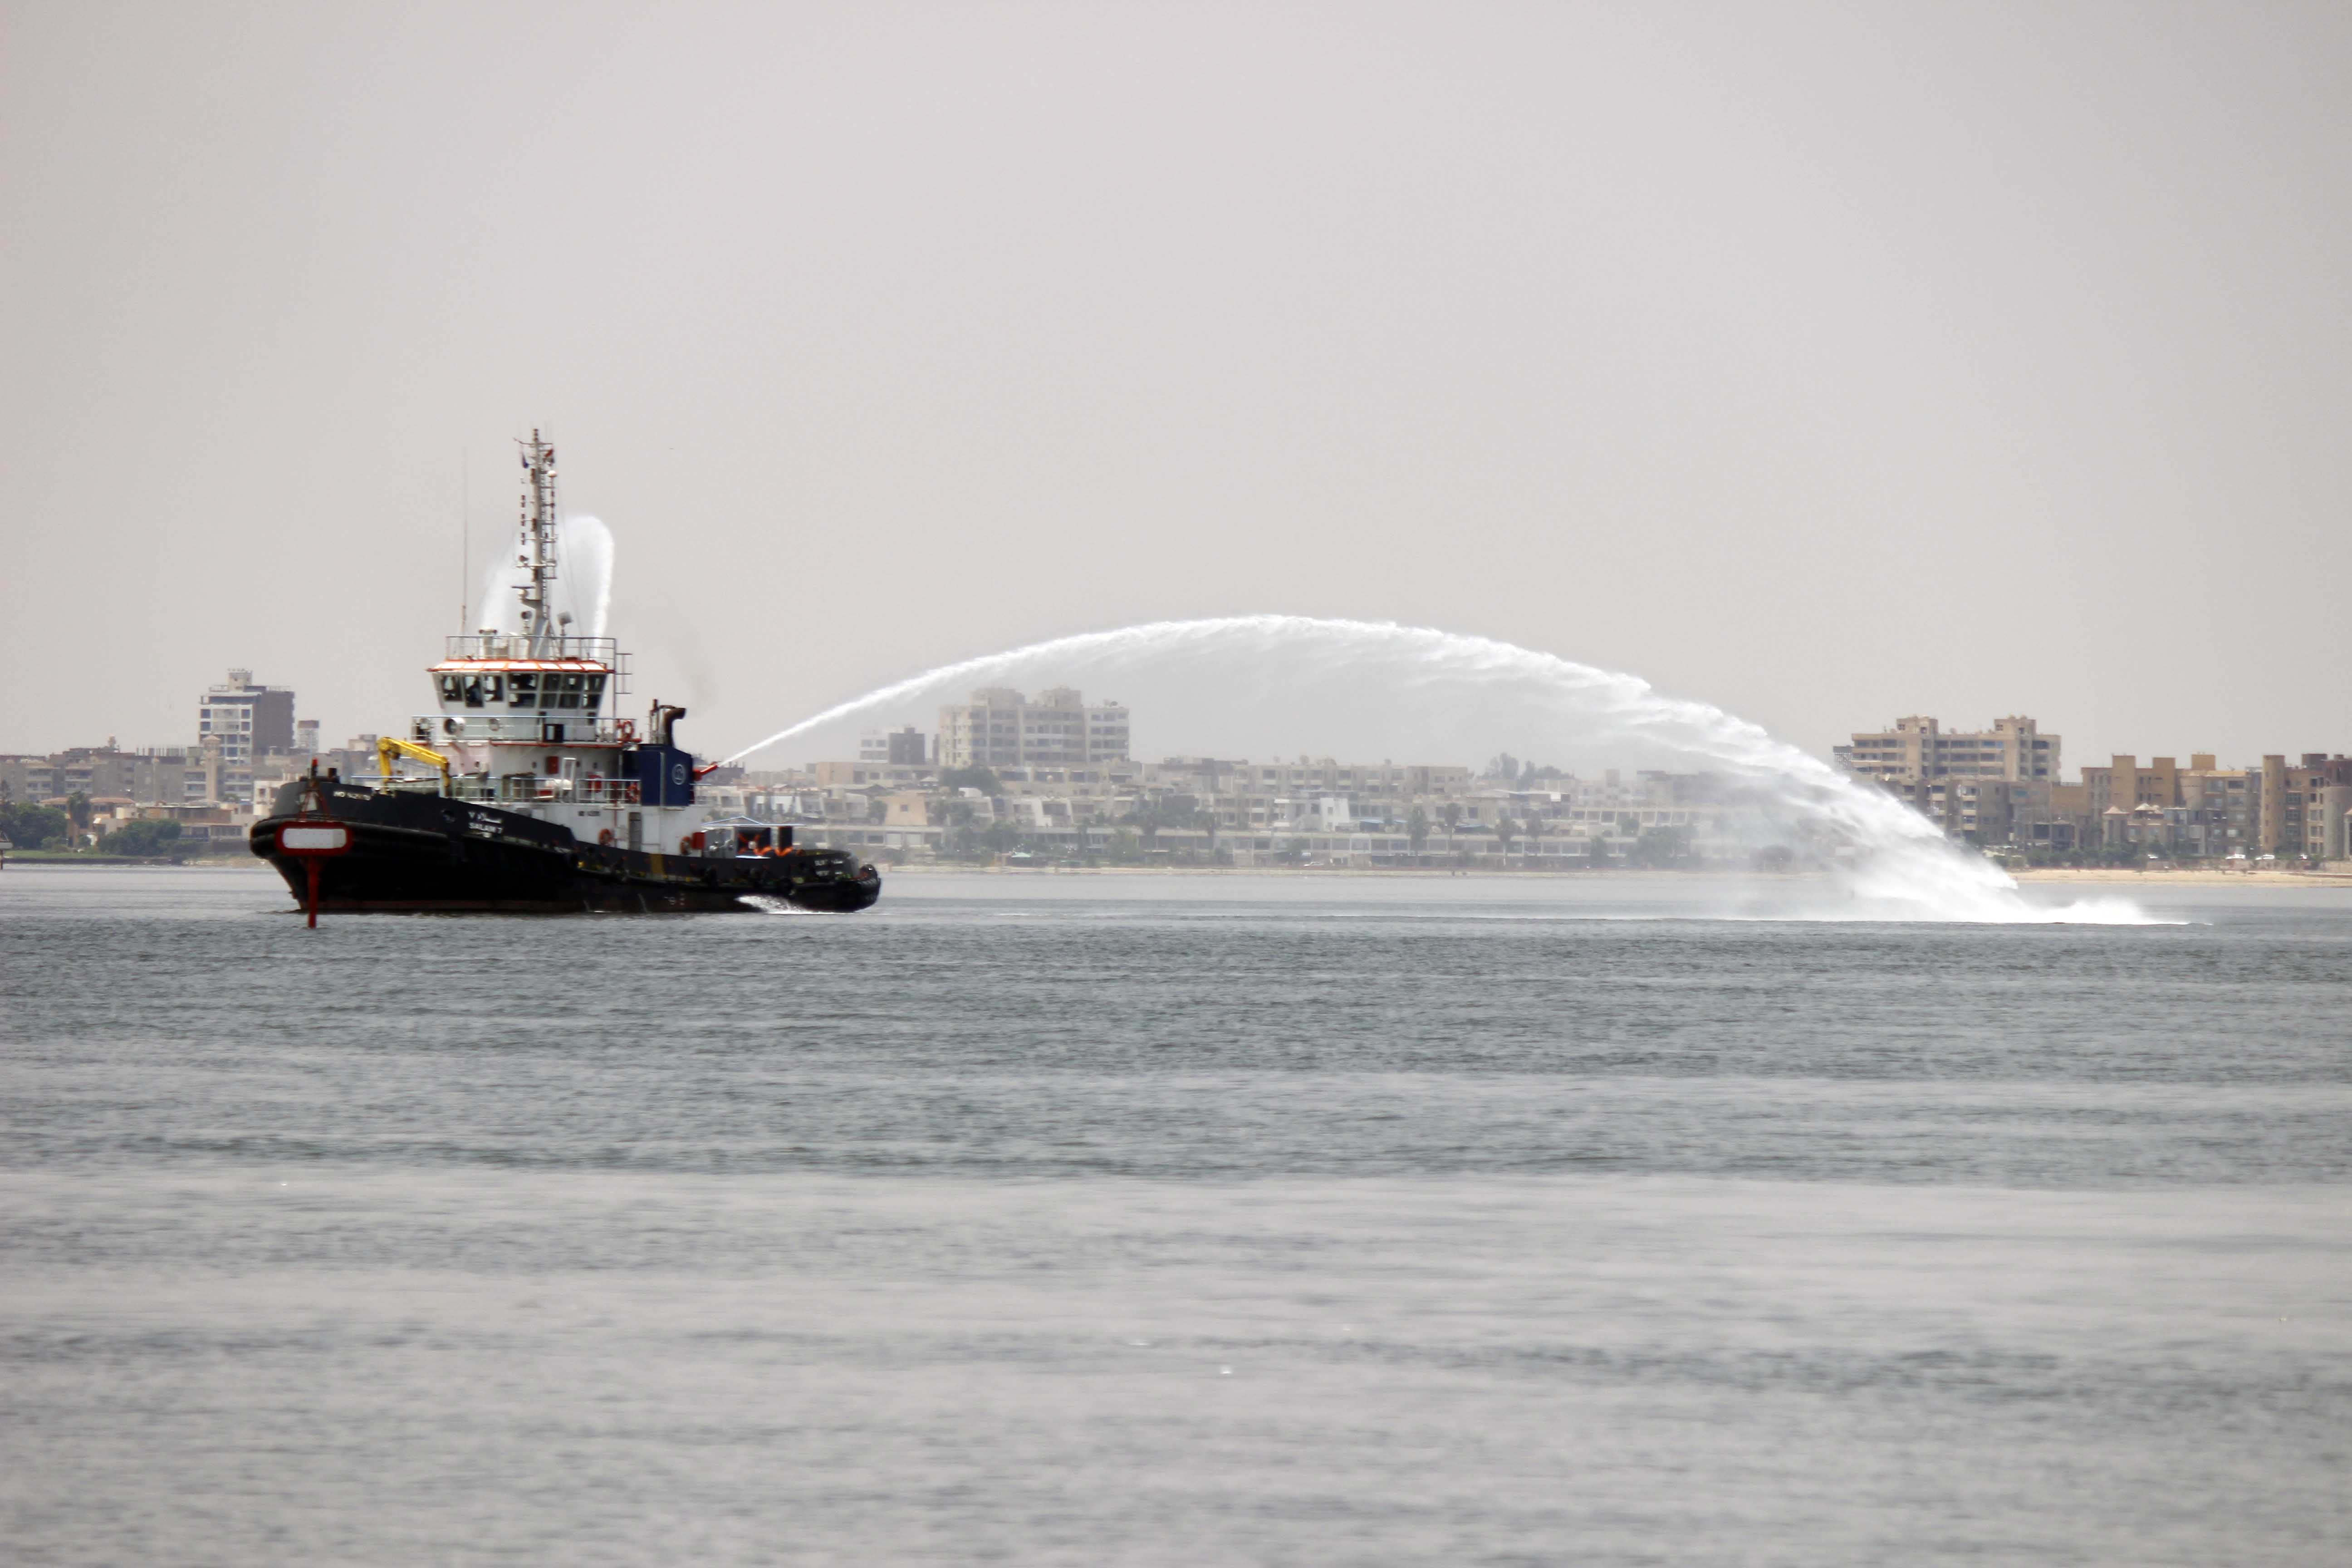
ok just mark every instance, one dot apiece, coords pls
pixel 1098 1219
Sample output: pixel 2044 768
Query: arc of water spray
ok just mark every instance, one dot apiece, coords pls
pixel 584 584
pixel 1899 862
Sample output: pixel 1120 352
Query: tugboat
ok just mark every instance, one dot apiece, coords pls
pixel 534 797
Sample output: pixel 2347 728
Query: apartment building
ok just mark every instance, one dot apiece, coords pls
pixel 858 775
pixel 907 747
pixel 248 723
pixel 25 777
pixel 168 775
pixel 2125 783
pixel 2277 808
pixel 2226 801
pixel 251 721
pixel 1917 747
pixel 1987 810
pixel 1000 727
pixel 2296 816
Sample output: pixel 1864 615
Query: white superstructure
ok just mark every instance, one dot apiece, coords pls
pixel 528 720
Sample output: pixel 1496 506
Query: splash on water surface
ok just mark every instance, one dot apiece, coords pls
pixel 771 906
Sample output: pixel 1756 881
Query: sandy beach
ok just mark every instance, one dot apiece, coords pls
pixel 2196 876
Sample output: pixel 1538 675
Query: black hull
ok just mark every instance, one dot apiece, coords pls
pixel 423 854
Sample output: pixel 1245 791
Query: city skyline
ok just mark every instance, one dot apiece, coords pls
pixel 288 725
pixel 1070 778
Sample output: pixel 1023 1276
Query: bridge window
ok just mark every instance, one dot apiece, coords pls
pixel 523 691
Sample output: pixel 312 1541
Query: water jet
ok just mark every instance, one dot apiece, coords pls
pixel 1258 685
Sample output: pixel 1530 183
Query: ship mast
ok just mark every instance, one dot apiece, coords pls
pixel 536 551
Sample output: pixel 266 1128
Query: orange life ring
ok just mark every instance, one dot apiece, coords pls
pixel 628 730
pixel 604 836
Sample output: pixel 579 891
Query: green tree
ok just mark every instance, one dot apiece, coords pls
pixel 1416 828
pixel 31 826
pixel 1452 811
pixel 1177 811
pixel 1659 847
pixel 1124 848
pixel 984 780
pixel 139 838
pixel 1597 850
pixel 1504 831
pixel 77 808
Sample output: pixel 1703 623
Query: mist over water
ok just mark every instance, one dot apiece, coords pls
pixel 1263 685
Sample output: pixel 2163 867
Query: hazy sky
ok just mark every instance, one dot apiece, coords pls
pixel 1828 363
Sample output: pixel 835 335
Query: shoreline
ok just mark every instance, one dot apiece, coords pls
pixel 1643 874
pixel 2197 876
pixel 2104 874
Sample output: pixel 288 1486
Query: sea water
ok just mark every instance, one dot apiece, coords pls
pixel 1101 1219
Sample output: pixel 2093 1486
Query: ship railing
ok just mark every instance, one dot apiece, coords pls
pixel 412 784
pixel 594 790
pixel 516 645
pixel 525 725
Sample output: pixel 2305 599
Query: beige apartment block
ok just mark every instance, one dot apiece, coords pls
pixel 2277 808
pixel 2125 783
pixel 2294 805
pixel 855 775
pixel 2228 800
pixel 1917 747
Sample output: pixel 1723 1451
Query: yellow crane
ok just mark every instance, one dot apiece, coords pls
pixel 387 748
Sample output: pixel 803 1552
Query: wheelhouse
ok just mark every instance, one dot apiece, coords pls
pixel 572 688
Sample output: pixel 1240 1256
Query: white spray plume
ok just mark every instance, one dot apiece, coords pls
pixel 584 581
pixel 1431 696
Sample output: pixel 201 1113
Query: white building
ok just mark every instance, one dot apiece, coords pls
pixel 1000 728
